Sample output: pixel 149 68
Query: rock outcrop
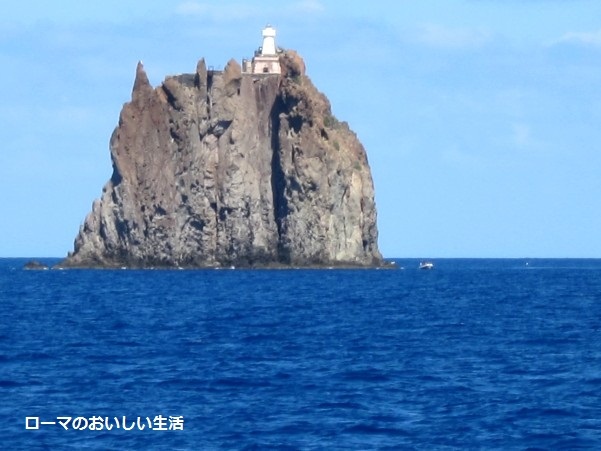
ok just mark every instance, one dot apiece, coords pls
pixel 35 265
pixel 221 168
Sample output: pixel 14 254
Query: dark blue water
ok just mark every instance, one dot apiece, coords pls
pixel 476 354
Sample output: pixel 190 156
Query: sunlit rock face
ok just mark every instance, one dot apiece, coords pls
pixel 222 168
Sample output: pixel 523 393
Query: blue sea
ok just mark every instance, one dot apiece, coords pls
pixel 475 354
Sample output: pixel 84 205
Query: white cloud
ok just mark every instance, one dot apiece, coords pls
pixel 452 38
pixel 308 6
pixel 587 38
pixel 192 9
pixel 522 135
pixel 239 11
pixel 523 138
pixel 216 11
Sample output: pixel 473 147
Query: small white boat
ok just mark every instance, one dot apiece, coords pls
pixel 426 265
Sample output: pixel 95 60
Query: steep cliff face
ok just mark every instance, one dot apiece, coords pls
pixel 224 168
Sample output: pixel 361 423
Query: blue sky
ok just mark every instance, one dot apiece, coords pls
pixel 481 118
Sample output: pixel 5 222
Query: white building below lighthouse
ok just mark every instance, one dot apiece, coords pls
pixel 266 59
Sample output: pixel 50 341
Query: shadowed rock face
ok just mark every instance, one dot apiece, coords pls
pixel 224 168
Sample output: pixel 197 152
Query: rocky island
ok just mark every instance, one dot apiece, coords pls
pixel 243 167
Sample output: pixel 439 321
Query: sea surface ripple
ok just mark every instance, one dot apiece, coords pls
pixel 475 354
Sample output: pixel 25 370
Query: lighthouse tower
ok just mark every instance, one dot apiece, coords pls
pixel 266 59
pixel 268 47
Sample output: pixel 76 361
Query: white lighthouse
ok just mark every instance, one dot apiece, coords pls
pixel 268 47
pixel 266 59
